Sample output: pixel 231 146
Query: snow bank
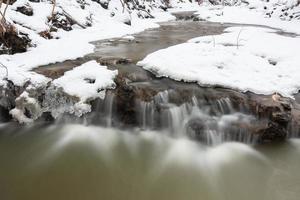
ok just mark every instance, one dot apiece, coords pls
pixel 280 14
pixel 244 15
pixel 243 58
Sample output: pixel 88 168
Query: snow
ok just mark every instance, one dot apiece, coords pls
pixel 37 22
pixel 87 82
pixel 243 15
pixel 243 58
pixel 24 100
pixel 67 45
pixel 20 116
pixel 129 37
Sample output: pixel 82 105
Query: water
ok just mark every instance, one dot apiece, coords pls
pixel 210 121
pixel 88 162
pixel 146 42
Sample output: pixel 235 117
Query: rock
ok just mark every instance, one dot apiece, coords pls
pixel 26 10
pixel 103 3
pixel 113 61
pixel 195 129
pixel 61 21
pixel 13 41
pixel 4 114
pixel 273 132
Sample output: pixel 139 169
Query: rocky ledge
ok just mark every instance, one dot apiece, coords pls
pixel 143 100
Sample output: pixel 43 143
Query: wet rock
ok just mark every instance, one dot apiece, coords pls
pixel 125 105
pixel 4 114
pixel 195 129
pixel 281 118
pixel 188 15
pixel 113 61
pixel 273 132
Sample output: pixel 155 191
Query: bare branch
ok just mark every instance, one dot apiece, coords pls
pixel 3 66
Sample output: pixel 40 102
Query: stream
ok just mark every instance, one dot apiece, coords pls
pixel 151 138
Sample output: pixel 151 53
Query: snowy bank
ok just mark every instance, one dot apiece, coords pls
pixel 243 58
pixel 280 14
pixel 71 93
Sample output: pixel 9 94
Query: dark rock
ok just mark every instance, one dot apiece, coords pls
pixel 273 132
pixel 195 129
pixel 10 2
pixel 61 21
pixel 14 42
pixel 26 10
pixel 281 118
pixel 103 3
pixel 4 114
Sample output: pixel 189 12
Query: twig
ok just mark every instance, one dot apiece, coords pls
pixel 3 66
pixel 53 9
pixel 7 3
pixel 214 40
pixel 238 38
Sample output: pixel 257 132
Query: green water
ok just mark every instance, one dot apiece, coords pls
pixel 90 163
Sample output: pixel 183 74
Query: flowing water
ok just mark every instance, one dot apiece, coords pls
pixel 178 149
pixel 86 163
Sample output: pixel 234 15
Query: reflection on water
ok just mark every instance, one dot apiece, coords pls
pixel 87 163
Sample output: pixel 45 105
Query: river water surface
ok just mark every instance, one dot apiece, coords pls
pixel 86 163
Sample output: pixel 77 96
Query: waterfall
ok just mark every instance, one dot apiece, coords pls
pixel 195 119
pixel 203 116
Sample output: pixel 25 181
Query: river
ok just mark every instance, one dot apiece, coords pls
pixel 88 162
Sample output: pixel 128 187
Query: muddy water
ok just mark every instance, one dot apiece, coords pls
pixel 169 34
pixel 87 163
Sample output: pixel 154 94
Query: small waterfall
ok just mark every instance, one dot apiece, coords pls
pixel 293 129
pixel 108 108
pixel 147 114
pixel 211 121
pixel 224 105
pixel 205 117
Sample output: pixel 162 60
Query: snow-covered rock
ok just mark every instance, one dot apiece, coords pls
pixel 88 81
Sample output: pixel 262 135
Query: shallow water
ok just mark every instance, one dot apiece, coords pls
pixel 87 163
pixel 146 42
